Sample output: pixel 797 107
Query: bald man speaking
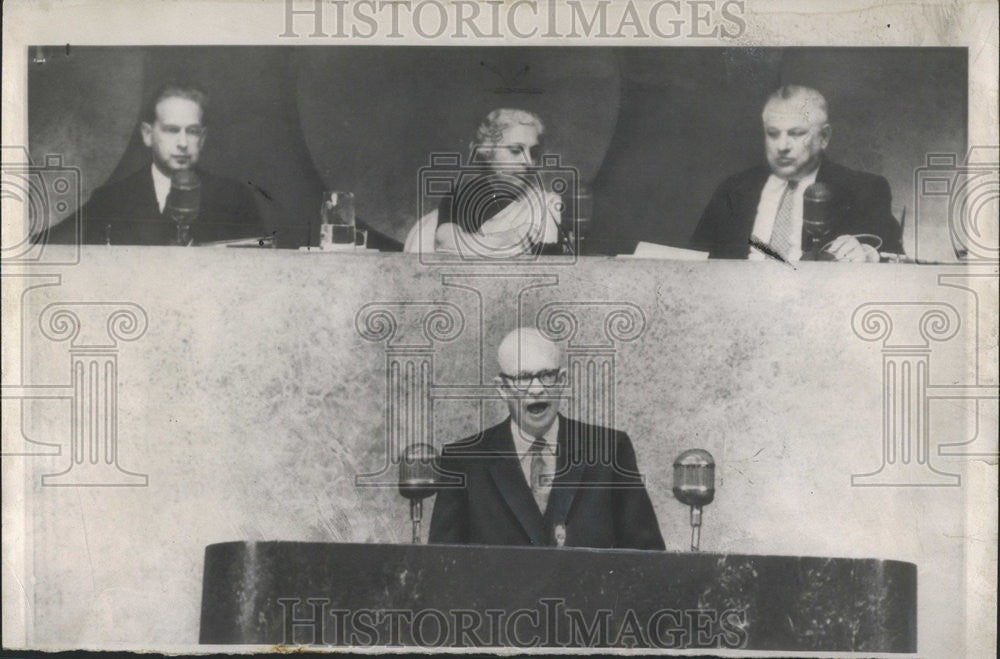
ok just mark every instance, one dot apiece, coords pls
pixel 759 213
pixel 539 478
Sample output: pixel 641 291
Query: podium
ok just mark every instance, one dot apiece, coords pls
pixel 480 596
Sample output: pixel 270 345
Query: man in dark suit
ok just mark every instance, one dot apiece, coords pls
pixel 140 208
pixel 759 212
pixel 540 478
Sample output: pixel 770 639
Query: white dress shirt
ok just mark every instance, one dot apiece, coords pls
pixel 523 442
pixel 770 199
pixel 161 185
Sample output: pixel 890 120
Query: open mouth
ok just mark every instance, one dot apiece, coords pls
pixel 536 408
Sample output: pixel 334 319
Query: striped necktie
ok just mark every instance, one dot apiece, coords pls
pixel 540 486
pixel 784 222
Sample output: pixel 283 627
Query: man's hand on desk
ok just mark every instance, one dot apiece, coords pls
pixel 849 248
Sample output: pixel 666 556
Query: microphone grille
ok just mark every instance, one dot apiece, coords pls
pixel 694 477
pixel 818 192
pixel 696 457
pixel 185 179
pixel 418 471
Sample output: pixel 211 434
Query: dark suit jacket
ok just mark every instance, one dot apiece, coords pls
pixel 861 204
pixel 129 207
pixel 601 501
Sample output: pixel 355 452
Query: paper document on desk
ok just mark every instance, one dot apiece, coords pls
pixel 646 250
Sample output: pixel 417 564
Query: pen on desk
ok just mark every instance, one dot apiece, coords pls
pixel 754 242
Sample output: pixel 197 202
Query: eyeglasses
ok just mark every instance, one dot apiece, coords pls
pixel 523 381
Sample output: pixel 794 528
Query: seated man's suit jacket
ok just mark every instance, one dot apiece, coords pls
pixel 125 212
pixel 600 501
pixel 861 204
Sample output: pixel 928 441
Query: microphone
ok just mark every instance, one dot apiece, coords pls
pixel 564 242
pixel 417 480
pixel 816 202
pixel 578 219
pixel 694 485
pixel 184 203
pixel 583 210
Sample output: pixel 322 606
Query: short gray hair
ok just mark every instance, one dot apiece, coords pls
pixel 807 95
pixel 491 129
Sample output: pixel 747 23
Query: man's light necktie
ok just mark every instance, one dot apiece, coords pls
pixel 784 222
pixel 539 469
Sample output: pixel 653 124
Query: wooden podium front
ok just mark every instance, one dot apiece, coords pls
pixel 480 596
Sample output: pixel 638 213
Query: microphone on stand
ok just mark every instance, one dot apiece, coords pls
pixel 578 218
pixel 583 210
pixel 184 203
pixel 417 480
pixel 816 202
pixel 564 245
pixel 694 485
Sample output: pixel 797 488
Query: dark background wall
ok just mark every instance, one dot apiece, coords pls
pixel 651 130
